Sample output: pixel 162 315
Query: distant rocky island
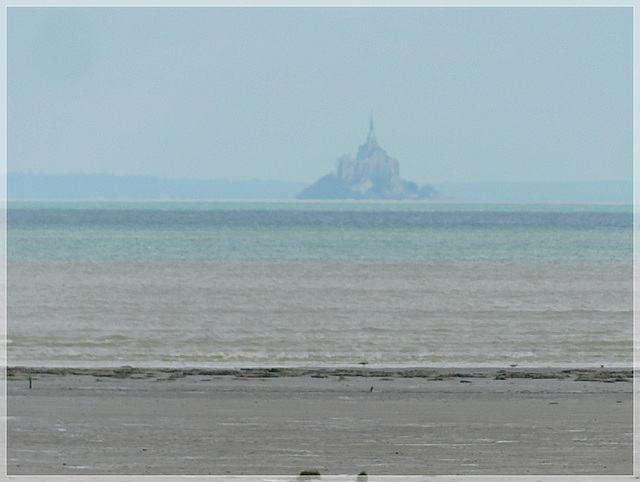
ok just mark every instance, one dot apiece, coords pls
pixel 371 175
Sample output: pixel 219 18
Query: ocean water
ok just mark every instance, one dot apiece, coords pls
pixel 211 284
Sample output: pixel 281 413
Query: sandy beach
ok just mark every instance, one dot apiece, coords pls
pixel 279 422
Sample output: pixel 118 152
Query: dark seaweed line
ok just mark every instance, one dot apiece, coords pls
pixel 577 374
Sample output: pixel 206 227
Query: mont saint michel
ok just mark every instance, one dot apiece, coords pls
pixel 371 175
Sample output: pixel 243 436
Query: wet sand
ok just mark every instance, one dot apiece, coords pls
pixel 425 422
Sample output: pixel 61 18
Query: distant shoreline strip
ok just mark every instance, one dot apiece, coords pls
pixel 576 374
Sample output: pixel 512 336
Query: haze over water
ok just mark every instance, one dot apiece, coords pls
pixel 319 284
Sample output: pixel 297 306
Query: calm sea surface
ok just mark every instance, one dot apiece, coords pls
pixel 208 284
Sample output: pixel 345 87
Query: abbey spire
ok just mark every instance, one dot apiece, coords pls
pixel 372 134
pixel 369 148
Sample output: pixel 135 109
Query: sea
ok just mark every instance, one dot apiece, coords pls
pixel 319 284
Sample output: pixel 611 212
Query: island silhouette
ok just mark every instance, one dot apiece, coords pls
pixel 373 174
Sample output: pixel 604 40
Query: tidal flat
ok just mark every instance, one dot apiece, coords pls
pixel 282 421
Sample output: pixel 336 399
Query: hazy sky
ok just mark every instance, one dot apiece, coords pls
pixel 460 94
